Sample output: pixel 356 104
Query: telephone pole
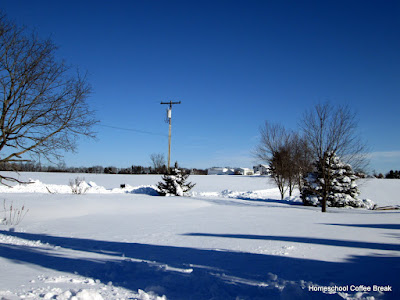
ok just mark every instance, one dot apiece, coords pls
pixel 169 116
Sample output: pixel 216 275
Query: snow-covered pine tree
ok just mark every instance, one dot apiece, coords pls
pixel 174 183
pixel 333 180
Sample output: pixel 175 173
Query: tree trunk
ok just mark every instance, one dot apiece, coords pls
pixel 323 204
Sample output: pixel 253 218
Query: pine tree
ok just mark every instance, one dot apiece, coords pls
pixel 174 183
pixel 333 182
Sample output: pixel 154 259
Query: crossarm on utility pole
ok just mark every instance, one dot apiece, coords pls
pixel 170 103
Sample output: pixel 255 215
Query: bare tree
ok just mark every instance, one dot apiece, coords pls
pixel 333 129
pixel 43 106
pixel 158 162
pixel 287 154
pixel 280 170
pixel 273 149
pixel 272 138
pixel 301 159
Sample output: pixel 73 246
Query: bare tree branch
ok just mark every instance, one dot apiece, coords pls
pixel 330 128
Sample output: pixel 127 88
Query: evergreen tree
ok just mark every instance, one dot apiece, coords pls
pixel 174 183
pixel 333 182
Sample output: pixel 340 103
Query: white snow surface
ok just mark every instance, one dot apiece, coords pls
pixel 233 238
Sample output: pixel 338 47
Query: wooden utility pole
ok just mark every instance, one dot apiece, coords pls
pixel 169 116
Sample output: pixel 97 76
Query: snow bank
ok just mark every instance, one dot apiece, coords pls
pixel 36 186
pixel 266 195
pixel 150 190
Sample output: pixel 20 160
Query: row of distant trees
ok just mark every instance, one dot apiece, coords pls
pixel 393 174
pixel 157 167
pixel 390 175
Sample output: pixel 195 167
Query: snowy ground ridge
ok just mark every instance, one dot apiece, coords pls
pixel 36 186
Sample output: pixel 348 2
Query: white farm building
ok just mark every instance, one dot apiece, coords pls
pixel 261 169
pixel 220 171
pixel 229 171
pixel 244 171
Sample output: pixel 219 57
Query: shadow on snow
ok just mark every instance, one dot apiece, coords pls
pixel 215 275
pixel 241 200
pixel 306 240
pixel 378 226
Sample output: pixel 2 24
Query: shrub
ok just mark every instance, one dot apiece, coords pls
pixel 13 215
pixel 78 186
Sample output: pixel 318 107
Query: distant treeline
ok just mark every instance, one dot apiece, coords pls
pixel 62 168
pixel 391 175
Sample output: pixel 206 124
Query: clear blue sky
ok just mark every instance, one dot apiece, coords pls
pixel 233 64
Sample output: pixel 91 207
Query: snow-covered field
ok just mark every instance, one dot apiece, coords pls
pixel 232 239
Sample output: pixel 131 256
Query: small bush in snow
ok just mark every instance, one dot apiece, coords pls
pixel 78 186
pixel 335 181
pixel 13 215
pixel 174 184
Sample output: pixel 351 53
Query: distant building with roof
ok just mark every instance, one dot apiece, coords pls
pixel 220 171
pixel 229 171
pixel 261 169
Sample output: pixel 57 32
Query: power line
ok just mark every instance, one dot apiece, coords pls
pixel 134 130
